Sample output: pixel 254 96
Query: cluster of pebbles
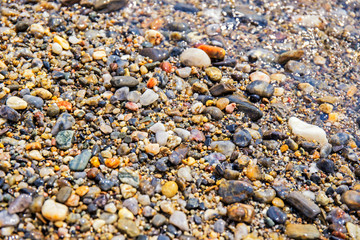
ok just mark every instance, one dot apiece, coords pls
pixel 179 120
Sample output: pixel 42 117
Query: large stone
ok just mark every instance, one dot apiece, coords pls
pixel 195 57
pixel 7 219
pixel 307 131
pixel 16 103
pixel 241 212
pixel 352 199
pixel 249 109
pixel 261 88
pixel 155 54
pixel 178 219
pixel 54 211
pixel 9 113
pixel 303 204
pixel 224 147
pixel 302 231
pixel 129 227
pixel 20 204
pixel 235 191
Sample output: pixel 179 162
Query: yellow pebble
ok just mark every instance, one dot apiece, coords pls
pixel 277 202
pixel 81 191
pixel 63 43
pixel 284 148
pixel 56 168
pixel 95 162
pixel 333 117
pixel 169 189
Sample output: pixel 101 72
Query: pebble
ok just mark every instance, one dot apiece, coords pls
pixel 302 231
pixel 106 6
pixel 352 199
pixel 128 227
pixel 259 76
pixel 80 161
pixel 353 230
pixel 169 189
pixel 303 204
pixel 224 147
pixel 276 214
pixel 195 57
pixel 64 139
pixel 16 103
pixel 241 212
pixel 307 131
pixel 242 138
pixel 214 112
pixel 7 219
pixel 221 89
pixel 9 113
pixel 155 54
pixel 179 220
pixel 124 81
pixel 235 191
pixel 54 211
pixel 158 220
pixel 148 97
pixel 261 88
pixel 183 72
pixel 264 195
pixel 20 204
pixel 63 194
pixel 290 55
pixel 214 73
pixel 249 109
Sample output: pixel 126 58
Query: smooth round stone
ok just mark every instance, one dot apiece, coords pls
pixel 54 211
pixel 16 103
pixel 36 102
pixel 185 173
pixel 7 219
pixel 169 189
pixel 162 137
pixel 277 215
pixel 219 226
pixel 56 48
pixel 9 113
pixel 183 72
pixel 20 204
pixel 235 191
pixel 264 195
pixel 224 147
pixel 261 88
pixel 179 220
pixel 158 220
pixel 155 54
pixel 63 194
pixel 128 227
pixel 242 138
pixel 124 81
pixel 214 112
pixel 326 166
pixel 307 131
pixel 195 57
pixel 339 139
pixel 352 199
pixel 62 42
pixel 258 75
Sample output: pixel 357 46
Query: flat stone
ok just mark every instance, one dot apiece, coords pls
pixel 242 138
pixel 302 231
pixel 235 191
pixel 249 109
pixel 106 6
pixel 276 214
pixel 148 97
pixel 80 161
pixel 9 113
pixel 303 204
pixel 155 54
pixel 129 177
pixel 178 219
pixel 290 55
pixel 221 89
pixel 20 204
pixel 63 194
pixel 64 122
pixel 124 81
pixel 353 230
pixel 16 103
pixel 195 57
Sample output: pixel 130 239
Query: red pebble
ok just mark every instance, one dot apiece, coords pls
pixel 230 108
pixel 132 106
pixel 166 66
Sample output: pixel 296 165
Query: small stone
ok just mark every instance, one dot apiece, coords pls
pixel 242 138
pixel 214 112
pixel 9 113
pixel 16 103
pixel 261 88
pixel 306 88
pixel 99 55
pixel 64 139
pixel 125 213
pixel 127 191
pixel 302 231
pixel 249 109
pixel 318 60
pixel 340 139
pixel 307 131
pixel 326 165
pixel 326 108
pixel 222 103
pixel 290 55
pixel 235 191
pixel 64 122
pixel 63 194
pixel 303 204
pixel 353 230
pixel 276 214
pixel 241 212
pixel 54 211
pixel 82 190
pixel 224 147
pixel 37 30
pixel 264 195
pixel 80 161
pixel 106 129
pixel 213 51
pixel 7 219
pixel 158 220
pixel 195 57
pixel 56 48
pixel 154 37
pixel 130 177
pixel 20 204
pixel 169 189
pixel 200 87
pixel 178 219
pixel 128 227
pixel 221 89
pixel 148 97
pixel 155 54
pixel 278 202
pixel 261 76
pixel 241 231
pixel 352 199
pixel 322 199
pixel 124 81
pixel 219 226
pixel 213 73
pixel 183 72
pixel 152 148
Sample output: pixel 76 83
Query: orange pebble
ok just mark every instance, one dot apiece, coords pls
pixel 64 104
pixel 284 148
pixel 112 162
pixel 81 191
pixel 213 52
pixel 95 161
pixel 33 146
pixel 152 82
pixel 166 66
pixel 156 24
